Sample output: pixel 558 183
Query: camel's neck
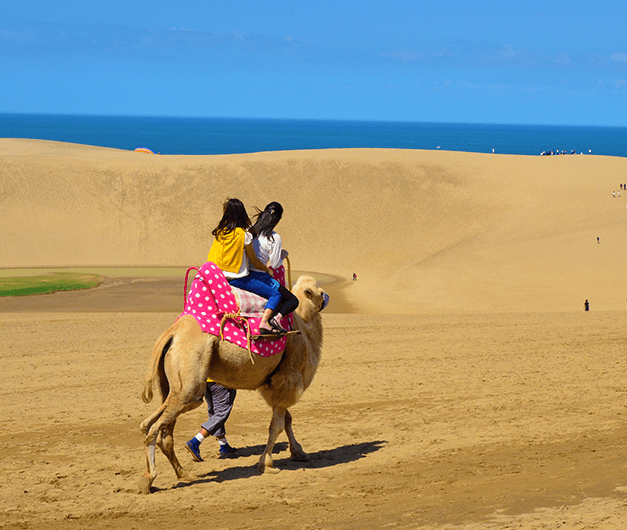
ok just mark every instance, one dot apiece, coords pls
pixel 311 328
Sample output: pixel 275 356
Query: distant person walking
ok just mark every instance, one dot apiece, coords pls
pixel 586 305
pixel 354 276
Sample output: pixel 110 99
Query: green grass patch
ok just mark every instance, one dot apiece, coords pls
pixel 47 283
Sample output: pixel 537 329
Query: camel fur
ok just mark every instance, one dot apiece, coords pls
pixel 184 357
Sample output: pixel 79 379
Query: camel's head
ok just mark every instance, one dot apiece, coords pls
pixel 311 298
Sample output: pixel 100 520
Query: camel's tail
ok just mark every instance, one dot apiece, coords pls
pixel 155 368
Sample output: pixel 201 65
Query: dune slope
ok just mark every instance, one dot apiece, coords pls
pixel 425 231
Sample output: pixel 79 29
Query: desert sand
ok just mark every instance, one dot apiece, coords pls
pixel 462 385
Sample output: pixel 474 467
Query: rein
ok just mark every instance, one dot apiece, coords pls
pixel 243 322
pixel 289 272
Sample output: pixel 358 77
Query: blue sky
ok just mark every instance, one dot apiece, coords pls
pixel 448 61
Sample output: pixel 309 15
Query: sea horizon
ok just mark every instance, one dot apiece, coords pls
pixel 186 135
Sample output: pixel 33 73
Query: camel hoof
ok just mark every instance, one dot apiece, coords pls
pixel 187 477
pixel 299 457
pixel 144 484
pixel 271 470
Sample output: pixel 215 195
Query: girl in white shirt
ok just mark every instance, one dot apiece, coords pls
pixel 268 247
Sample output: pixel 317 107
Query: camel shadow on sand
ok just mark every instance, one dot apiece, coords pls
pixel 318 460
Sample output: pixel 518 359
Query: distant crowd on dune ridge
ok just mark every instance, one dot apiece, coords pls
pixel 558 152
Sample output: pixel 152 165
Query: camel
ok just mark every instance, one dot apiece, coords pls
pixel 184 357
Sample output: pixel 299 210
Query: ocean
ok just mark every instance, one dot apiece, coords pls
pixel 214 136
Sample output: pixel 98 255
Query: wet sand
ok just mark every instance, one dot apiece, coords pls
pixel 143 291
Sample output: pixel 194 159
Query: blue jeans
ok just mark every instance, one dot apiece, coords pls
pixel 262 284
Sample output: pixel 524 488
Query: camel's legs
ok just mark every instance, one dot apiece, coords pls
pixel 276 427
pixel 173 406
pixel 296 450
pixel 165 441
pixel 148 478
pixel 145 425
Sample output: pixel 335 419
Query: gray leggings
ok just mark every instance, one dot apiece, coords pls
pixel 219 405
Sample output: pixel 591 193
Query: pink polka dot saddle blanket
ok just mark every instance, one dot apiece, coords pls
pixel 230 313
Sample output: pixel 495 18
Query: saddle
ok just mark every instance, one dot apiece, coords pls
pixel 229 313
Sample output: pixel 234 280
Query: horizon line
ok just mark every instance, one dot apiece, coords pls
pixel 351 120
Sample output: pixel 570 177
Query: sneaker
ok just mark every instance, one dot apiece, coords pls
pixel 226 450
pixel 193 446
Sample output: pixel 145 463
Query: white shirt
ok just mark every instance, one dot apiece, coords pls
pixel 268 250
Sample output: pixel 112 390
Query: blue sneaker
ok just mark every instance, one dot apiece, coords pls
pixel 226 451
pixel 193 446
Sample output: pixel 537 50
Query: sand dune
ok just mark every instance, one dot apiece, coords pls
pixel 496 402
pixel 424 230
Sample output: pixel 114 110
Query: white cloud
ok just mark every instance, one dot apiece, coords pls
pixel 621 83
pixel 508 51
pixel 562 58
pixel 619 57
pixel 404 55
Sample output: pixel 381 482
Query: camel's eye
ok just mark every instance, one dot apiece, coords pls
pixel 308 292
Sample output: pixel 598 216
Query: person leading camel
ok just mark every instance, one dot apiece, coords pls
pixel 268 247
pixel 232 251
pixel 219 405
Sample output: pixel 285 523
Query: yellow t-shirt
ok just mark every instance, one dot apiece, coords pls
pixel 227 251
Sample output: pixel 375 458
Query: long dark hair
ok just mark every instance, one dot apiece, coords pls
pixel 266 221
pixel 233 216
